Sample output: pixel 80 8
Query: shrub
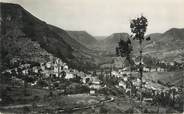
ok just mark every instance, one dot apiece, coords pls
pixel 36 98
pixel 26 109
pixel 103 110
pixel 75 88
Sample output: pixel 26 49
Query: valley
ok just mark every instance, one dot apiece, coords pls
pixel 47 69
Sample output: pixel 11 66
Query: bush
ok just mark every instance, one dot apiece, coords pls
pixel 26 109
pixel 76 88
pixel 103 110
pixel 36 98
pixel 42 83
pixel 130 110
pixel 6 99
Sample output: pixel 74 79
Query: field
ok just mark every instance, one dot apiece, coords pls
pixel 173 78
pixel 42 101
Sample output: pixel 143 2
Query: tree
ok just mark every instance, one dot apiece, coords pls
pixel 42 83
pixel 124 48
pixel 138 28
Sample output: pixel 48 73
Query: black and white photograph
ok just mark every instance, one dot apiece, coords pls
pixel 91 56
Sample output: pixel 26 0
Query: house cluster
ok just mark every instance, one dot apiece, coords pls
pixel 151 90
pixel 123 63
pixel 160 65
pixel 55 69
pixel 92 82
pixel 150 69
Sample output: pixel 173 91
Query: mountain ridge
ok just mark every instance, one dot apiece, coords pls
pixel 18 25
pixel 83 38
pixel 160 45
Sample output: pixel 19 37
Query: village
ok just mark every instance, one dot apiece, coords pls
pixel 55 75
pixel 91 57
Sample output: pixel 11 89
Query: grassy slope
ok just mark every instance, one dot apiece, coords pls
pixel 17 24
pixel 175 78
pixel 83 38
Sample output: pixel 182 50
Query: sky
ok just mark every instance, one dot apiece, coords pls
pixel 104 17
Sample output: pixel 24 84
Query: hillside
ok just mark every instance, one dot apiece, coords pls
pixel 27 37
pixel 100 37
pixel 23 35
pixel 67 38
pixel 167 46
pixel 172 78
pixel 111 42
pixel 83 37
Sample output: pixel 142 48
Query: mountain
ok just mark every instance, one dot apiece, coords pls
pixel 83 37
pixel 100 37
pixel 19 27
pixel 83 54
pixel 111 42
pixel 67 38
pixel 27 37
pixel 168 46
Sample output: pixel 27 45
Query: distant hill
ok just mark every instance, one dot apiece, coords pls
pixel 172 78
pixel 27 37
pixel 168 46
pixel 116 37
pixel 83 37
pixel 100 37
pixel 67 38
pixel 111 42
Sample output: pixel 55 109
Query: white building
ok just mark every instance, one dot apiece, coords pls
pixel 69 76
pixel 65 67
pixel 48 64
pixel 92 91
pixel 146 69
pixel 95 86
pixel 122 84
pixel 153 70
pixel 42 65
pixel 171 63
pixel 116 74
pixel 125 79
pixel 35 69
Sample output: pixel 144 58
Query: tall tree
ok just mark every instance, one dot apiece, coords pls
pixel 138 28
